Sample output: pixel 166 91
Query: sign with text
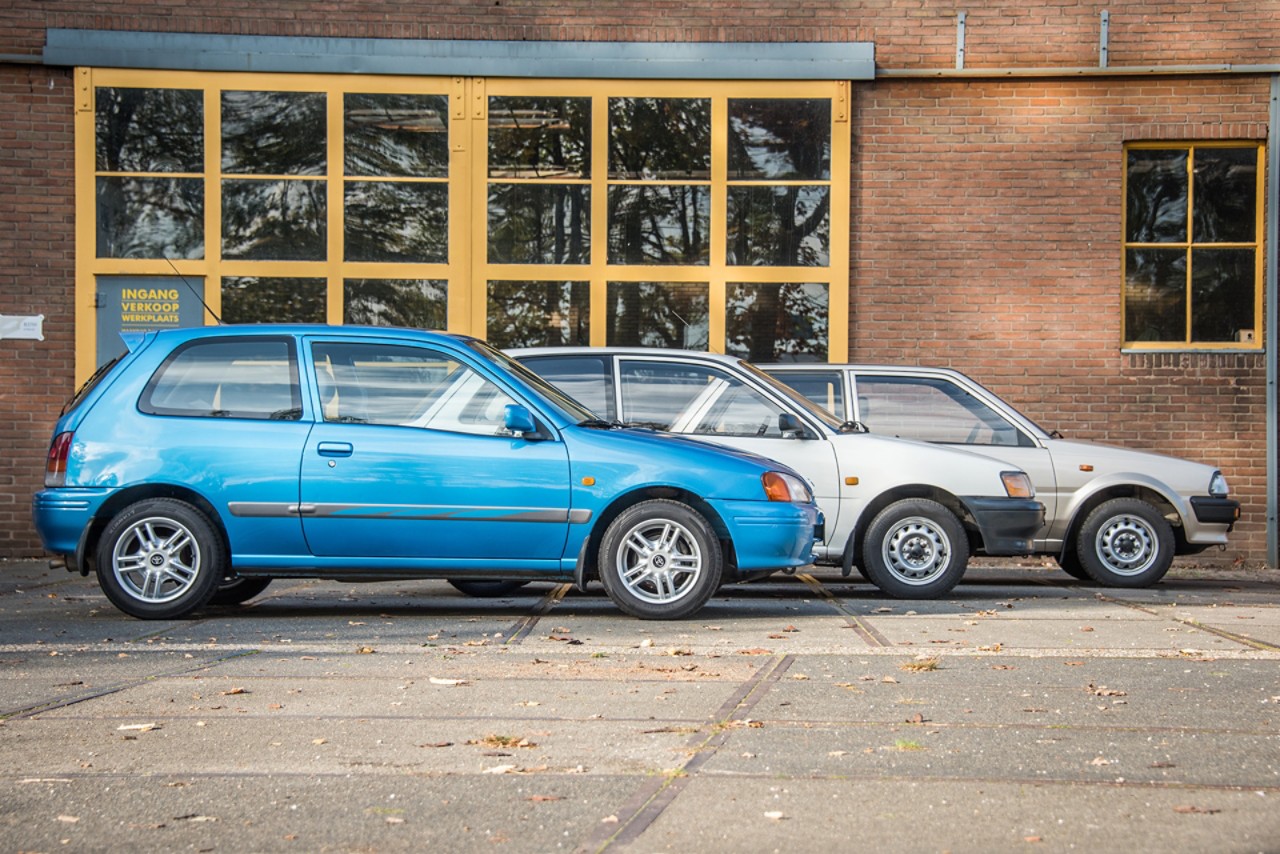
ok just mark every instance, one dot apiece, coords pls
pixel 144 304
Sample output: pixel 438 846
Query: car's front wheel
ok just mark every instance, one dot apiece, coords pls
pixel 915 549
pixel 160 559
pixel 660 560
pixel 1125 542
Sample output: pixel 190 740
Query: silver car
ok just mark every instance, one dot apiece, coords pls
pixel 907 514
pixel 1112 515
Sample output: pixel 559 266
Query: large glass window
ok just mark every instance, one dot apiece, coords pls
pixel 693 214
pixel 1192 253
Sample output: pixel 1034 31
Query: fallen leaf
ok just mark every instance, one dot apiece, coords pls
pixel 1098 760
pixel 755 651
pixel 233 692
pixel 137 727
pixel 917 718
pixel 195 817
pixel 500 769
pixel 542 799
pixel 68 819
pixel 1086 628
pixel 436 680
pixel 366 650
pixel 1187 809
pixel 774 815
pixel 1104 691
pixel 922 664
pixel 437 744
pixel 889 680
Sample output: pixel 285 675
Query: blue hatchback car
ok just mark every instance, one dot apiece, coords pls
pixel 205 462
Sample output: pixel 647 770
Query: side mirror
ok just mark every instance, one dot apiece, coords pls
pixel 790 426
pixel 518 420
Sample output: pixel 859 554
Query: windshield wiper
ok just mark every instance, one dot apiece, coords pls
pixel 601 424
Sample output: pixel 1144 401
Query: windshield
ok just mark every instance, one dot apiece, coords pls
pixel 568 407
pixel 797 399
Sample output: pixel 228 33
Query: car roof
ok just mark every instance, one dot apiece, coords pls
pixel 667 352
pixel 266 329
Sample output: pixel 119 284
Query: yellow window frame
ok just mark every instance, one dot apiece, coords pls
pixel 467 270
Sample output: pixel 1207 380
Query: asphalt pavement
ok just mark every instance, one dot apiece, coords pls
pixel 1026 711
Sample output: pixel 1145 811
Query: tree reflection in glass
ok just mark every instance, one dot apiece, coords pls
pixel 660 139
pixel 659 223
pixel 1226 195
pixel 1155 295
pixel 412 303
pixel 658 314
pixel 150 217
pixel 537 223
pixel 779 226
pixel 539 137
pixel 273 133
pixel 538 314
pixel 779 139
pixel 396 135
pixel 253 299
pixel 273 220
pixel 1156 198
pixel 1223 283
pixel 771 322
pixel 396 221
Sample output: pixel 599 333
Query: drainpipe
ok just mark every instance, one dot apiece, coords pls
pixel 1271 336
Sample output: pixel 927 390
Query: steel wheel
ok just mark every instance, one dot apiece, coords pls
pixel 1126 542
pixel 915 549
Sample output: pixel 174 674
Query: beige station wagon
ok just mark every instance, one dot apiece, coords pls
pixel 1112 515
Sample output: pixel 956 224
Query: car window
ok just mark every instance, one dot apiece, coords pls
pixel 253 378
pixel 390 384
pixel 694 399
pixel 931 410
pixel 824 388
pixel 587 379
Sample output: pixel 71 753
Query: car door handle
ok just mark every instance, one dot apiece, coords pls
pixel 335 449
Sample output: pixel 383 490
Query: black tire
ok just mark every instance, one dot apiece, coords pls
pixel 660 560
pixel 915 549
pixel 1125 542
pixel 1070 563
pixel 160 559
pixel 236 590
pixel 487 589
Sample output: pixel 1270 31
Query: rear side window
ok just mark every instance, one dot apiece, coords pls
pixel 587 379
pixel 825 388
pixel 932 410
pixel 254 378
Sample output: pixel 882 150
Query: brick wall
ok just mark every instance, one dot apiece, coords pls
pixel 36 277
pixel 986 237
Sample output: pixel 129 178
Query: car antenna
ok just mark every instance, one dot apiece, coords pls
pixel 193 290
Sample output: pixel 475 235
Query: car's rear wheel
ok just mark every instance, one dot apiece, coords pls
pixel 660 560
pixel 236 590
pixel 160 559
pixel 915 549
pixel 487 589
pixel 1125 542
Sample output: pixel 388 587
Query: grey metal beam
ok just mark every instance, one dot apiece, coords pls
pixel 597 60
pixel 1272 336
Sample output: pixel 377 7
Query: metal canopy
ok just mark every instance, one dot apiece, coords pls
pixel 598 60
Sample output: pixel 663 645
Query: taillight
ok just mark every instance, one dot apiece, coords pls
pixel 55 469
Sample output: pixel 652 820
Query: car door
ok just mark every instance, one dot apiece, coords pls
pixel 936 409
pixel 411 459
pixel 705 401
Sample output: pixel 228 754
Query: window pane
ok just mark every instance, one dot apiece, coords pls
pixel 150 217
pixel 1155 303
pixel 1226 195
pixel 273 133
pixel 659 224
pixel 1156 196
pixel 539 223
pixel 657 314
pixel 776 322
pixel 228 379
pixel 779 226
pixel 250 299
pixel 825 388
pixel 587 379
pixel 1222 293
pixel 539 137
pixel 784 139
pixel 665 139
pixel 396 135
pixel 273 220
pixel 415 303
pixel 149 130
pixel 538 314
pixel 930 411
pixel 395 221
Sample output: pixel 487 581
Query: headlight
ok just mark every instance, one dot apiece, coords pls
pixel 785 487
pixel 1218 486
pixel 1017 484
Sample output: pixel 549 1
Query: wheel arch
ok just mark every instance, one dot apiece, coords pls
pixel 86 557
pixel 588 569
pixel 916 490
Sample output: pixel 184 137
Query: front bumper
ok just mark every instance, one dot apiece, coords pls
pixel 771 535
pixel 1215 511
pixel 1008 525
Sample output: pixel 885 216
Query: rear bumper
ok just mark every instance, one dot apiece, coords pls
pixel 62 517
pixel 1008 525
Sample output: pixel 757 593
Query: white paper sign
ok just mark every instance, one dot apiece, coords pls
pixel 13 326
